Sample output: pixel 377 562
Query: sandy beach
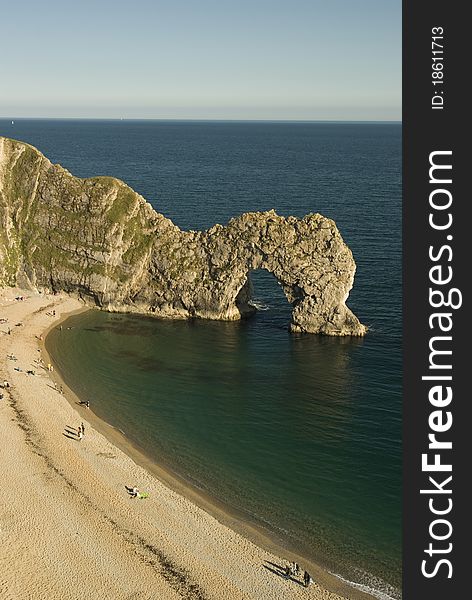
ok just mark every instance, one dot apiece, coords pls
pixel 69 529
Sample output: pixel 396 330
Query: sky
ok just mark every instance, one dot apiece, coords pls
pixel 201 59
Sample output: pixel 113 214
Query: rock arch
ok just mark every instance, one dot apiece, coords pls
pixel 308 258
pixel 101 240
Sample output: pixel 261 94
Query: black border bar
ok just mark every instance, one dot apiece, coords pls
pixel 427 130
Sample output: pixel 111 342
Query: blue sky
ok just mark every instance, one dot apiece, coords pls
pixel 239 59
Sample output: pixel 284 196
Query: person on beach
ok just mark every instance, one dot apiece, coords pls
pixel 82 428
pixel 134 492
pixel 288 571
pixel 307 579
pixel 6 384
pixel 80 435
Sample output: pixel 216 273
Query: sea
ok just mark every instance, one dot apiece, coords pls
pixel 300 434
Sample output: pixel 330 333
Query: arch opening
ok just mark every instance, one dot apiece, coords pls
pixel 263 296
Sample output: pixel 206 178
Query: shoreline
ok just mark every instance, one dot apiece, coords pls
pixel 238 520
pixel 185 493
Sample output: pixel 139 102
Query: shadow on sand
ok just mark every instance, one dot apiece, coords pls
pixel 70 432
pixel 280 571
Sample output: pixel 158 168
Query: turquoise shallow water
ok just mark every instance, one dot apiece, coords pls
pixel 281 426
pixel 303 433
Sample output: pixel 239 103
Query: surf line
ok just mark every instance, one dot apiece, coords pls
pixel 442 300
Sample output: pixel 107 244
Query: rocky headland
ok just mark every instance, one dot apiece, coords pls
pixel 100 240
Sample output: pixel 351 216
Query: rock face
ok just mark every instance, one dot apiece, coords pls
pixel 101 240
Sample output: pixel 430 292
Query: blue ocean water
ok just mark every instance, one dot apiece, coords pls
pixel 302 433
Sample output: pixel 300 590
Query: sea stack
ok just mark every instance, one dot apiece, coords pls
pixel 100 240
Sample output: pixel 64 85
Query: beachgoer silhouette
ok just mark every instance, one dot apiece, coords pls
pixel 80 435
pixel 306 579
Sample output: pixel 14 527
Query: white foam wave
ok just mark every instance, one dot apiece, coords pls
pixel 377 593
pixel 258 305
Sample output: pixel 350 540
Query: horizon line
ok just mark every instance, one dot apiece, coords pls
pixel 255 120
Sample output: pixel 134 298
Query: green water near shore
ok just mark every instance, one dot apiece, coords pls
pixel 277 426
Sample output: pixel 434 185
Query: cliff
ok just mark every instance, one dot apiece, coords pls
pixel 101 240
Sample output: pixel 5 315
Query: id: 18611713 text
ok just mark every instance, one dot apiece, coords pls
pixel 437 73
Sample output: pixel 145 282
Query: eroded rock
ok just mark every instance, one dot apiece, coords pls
pixel 100 239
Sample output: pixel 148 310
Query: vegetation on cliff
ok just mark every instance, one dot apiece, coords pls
pixel 101 240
